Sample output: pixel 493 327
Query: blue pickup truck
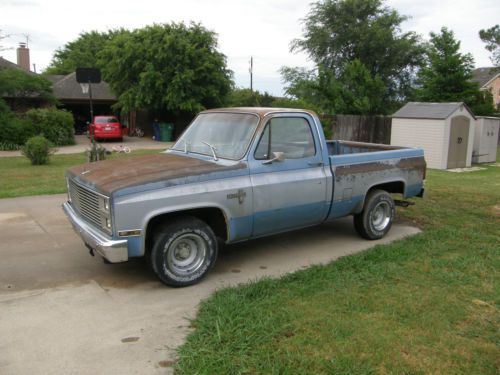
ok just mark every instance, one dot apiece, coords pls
pixel 235 174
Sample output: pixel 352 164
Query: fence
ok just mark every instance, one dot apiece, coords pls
pixel 373 129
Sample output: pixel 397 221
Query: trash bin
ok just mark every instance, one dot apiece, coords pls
pixel 166 130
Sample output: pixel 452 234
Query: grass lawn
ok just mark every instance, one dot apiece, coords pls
pixel 428 304
pixel 19 178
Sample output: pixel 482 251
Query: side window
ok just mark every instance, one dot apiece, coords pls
pixel 290 135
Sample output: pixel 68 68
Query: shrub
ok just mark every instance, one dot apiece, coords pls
pixel 54 124
pixel 14 130
pixel 96 152
pixel 38 149
pixel 6 146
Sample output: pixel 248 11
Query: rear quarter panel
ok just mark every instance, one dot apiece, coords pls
pixel 355 174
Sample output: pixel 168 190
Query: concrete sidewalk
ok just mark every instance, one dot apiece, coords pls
pixel 62 311
pixel 83 143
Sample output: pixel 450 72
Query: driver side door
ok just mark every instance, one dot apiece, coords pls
pixel 292 192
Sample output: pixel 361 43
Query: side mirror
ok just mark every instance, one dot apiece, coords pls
pixel 277 156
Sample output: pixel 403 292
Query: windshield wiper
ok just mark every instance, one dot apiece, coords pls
pixel 213 150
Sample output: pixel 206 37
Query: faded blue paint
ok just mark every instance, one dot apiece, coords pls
pixel 413 190
pixel 240 228
pixel 279 220
pixel 134 246
pixel 345 207
pixel 219 175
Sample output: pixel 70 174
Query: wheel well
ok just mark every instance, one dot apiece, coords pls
pixel 390 187
pixel 214 217
pixel 395 187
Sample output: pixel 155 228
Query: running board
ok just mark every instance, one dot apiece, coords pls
pixel 400 203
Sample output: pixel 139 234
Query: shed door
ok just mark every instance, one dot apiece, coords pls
pixel 459 139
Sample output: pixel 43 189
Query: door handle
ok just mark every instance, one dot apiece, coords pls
pixel 315 163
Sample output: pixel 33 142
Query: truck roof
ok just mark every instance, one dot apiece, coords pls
pixel 260 111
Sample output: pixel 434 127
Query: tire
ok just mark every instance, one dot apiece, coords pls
pixel 183 252
pixel 377 216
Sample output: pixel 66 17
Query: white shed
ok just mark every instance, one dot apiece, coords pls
pixel 485 140
pixel 444 130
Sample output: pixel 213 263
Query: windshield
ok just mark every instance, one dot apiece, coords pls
pixel 105 120
pixel 228 133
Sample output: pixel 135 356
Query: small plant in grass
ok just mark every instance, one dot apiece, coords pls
pixel 96 152
pixel 38 149
pixel 8 146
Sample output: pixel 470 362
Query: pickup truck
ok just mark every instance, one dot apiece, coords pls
pixel 235 174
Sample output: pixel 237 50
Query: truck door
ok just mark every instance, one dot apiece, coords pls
pixel 287 175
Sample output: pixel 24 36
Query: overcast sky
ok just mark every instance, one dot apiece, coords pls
pixel 258 28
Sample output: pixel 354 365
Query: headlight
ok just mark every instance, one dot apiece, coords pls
pixel 106 204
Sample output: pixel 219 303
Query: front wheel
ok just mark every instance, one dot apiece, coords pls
pixel 377 216
pixel 183 252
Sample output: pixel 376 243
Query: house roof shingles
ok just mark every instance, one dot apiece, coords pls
pixel 484 75
pixel 66 87
pixel 422 110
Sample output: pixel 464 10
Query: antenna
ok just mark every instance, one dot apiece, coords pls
pixel 28 38
pixel 251 73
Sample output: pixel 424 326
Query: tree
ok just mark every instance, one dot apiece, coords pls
pixel 81 52
pixel 18 84
pixel 166 67
pixel 491 37
pixel 339 32
pixel 447 75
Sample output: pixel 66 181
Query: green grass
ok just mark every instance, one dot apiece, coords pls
pixel 428 304
pixel 19 178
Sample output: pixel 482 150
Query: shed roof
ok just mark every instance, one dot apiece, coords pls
pixel 439 111
pixel 66 87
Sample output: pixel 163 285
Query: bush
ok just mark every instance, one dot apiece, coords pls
pixel 38 149
pixel 54 124
pixel 96 152
pixel 14 130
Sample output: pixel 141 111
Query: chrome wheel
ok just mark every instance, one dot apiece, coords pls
pixel 381 216
pixel 185 255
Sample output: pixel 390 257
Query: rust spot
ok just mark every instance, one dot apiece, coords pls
pixel 130 339
pixel 111 175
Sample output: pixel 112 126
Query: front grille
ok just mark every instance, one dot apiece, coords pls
pixel 88 204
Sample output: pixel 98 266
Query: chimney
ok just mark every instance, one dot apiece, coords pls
pixel 23 56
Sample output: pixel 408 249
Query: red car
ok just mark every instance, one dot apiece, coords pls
pixel 106 127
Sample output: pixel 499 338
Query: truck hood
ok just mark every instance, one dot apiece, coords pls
pixel 162 170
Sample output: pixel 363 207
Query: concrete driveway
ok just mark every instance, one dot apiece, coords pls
pixel 62 311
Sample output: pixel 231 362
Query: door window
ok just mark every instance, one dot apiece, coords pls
pixel 290 135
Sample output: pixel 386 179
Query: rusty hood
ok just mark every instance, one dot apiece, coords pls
pixel 109 176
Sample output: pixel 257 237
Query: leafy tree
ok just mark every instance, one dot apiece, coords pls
pixel 339 32
pixel 491 37
pixel 446 77
pixel 81 52
pixel 353 91
pixel 18 84
pixel 166 67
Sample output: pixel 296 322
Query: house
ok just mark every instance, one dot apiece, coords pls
pixel 73 97
pixel 444 130
pixel 489 79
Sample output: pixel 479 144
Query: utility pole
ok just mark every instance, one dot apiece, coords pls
pixel 251 73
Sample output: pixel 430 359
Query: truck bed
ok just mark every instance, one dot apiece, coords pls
pixel 358 167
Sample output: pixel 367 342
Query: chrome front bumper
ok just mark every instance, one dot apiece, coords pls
pixel 114 251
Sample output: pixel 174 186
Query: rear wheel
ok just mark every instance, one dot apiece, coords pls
pixel 183 252
pixel 377 216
